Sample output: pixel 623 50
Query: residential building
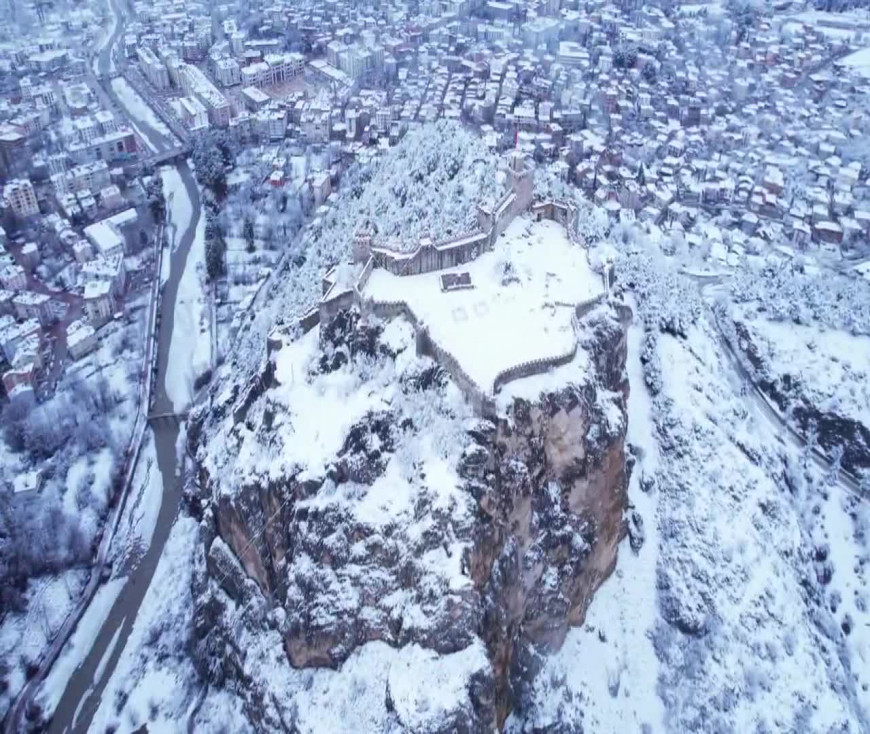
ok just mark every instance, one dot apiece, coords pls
pixel 21 198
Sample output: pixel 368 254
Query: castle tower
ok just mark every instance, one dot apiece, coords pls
pixel 521 179
pixel 362 245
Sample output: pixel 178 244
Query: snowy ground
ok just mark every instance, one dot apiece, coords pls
pixel 608 668
pixel 154 681
pixel 746 607
pixel 190 349
pixel 859 61
pixel 735 617
pixel 179 208
pixel 136 526
pixel 78 645
pixel 246 272
pixel 140 112
pixel 79 479
pixel 105 36
pixel 519 309
pixel 831 367
pixel 24 636
pixel 137 107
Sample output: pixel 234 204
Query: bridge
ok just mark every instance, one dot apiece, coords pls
pixel 156 420
pixel 169 155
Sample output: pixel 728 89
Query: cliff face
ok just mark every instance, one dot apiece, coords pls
pixel 424 524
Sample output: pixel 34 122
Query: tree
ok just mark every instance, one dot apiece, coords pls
pixel 248 233
pixel 214 152
pixel 156 199
pixel 625 56
pixel 215 246
pixel 210 166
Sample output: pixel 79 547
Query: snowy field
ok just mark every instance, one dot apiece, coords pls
pixel 519 309
pixel 190 349
pixel 136 526
pixel 179 208
pixel 75 496
pixel 24 636
pixel 152 681
pixel 78 646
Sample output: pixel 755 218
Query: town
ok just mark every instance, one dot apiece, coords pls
pixel 164 164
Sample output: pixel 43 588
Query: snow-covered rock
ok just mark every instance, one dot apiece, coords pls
pixel 368 502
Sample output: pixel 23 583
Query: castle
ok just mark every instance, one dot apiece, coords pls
pixel 431 256
pixel 345 285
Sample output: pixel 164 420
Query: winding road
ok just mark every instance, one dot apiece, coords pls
pixel 82 695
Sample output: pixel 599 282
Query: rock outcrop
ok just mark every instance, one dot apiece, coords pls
pixel 425 525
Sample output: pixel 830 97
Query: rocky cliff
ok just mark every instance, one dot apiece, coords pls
pixel 356 498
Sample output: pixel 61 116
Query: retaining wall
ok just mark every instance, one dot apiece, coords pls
pixel 365 274
pixel 584 307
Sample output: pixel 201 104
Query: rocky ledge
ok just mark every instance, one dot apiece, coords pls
pixel 351 495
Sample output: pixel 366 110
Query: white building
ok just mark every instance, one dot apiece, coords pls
pixel 86 177
pixel 21 198
pixel 194 115
pixel 81 339
pixel 228 72
pixel 153 68
pixel 105 238
pixel 196 84
pixel 99 305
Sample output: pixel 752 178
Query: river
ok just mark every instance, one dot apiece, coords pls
pixel 82 695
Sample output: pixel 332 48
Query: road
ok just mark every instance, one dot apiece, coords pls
pixel 764 406
pixel 82 695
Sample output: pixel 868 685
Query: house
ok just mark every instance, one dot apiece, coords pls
pixel 320 187
pixel 829 232
pixel 14 334
pixel 81 339
pixel 13 278
pixel 800 234
pixel 30 255
pixel 105 238
pixel 25 365
pixel 30 305
pixel 21 198
pixel 106 269
pixel 99 304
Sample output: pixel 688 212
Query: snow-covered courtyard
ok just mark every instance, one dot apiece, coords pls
pixel 518 309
